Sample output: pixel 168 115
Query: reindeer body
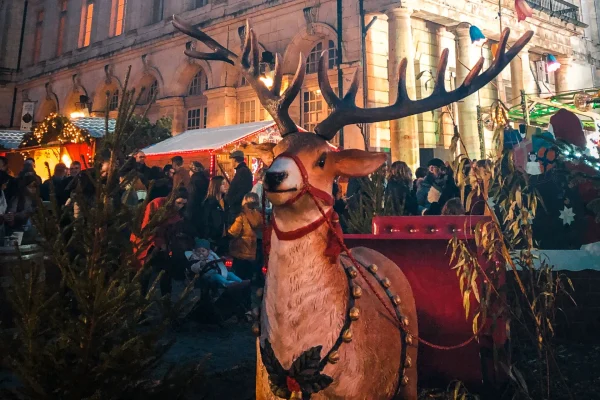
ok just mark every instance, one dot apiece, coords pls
pixel 305 302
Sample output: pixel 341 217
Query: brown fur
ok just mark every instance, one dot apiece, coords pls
pixel 306 298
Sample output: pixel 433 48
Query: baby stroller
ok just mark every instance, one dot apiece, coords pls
pixel 217 303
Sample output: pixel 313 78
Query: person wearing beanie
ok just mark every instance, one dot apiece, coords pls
pixel 437 188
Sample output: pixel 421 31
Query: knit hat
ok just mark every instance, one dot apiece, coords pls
pixel 202 243
pixel 436 162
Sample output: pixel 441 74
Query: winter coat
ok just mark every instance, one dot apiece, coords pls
pixel 158 238
pixel 397 193
pixel 241 184
pixel 199 188
pixel 243 231
pixel 434 193
pixel 60 190
pixel 214 219
pixel 181 178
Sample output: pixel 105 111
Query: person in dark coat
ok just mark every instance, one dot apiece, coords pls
pixel 198 190
pixel 60 182
pixel 398 193
pixel 144 172
pixel 240 184
pixel 214 215
pixel 437 188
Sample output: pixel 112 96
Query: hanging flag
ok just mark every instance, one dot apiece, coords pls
pixel 523 10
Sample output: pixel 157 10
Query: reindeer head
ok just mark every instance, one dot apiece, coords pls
pixel 303 158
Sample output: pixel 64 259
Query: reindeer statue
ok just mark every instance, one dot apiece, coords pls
pixel 356 306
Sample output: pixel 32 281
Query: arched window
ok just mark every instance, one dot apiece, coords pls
pixel 153 92
pixel 113 104
pixel 312 61
pixel 198 84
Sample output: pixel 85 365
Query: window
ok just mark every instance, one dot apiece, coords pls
pixel 243 82
pixel 37 45
pixel 247 111
pixel 314 109
pixel 113 104
pixel 193 119
pixel 153 92
pixel 198 84
pixel 62 23
pixel 158 10
pixel 204 116
pixel 87 19
pixel 312 61
pixel 120 17
pixel 262 113
pixel 201 3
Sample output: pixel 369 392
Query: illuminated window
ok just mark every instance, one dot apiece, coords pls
pixel 62 24
pixel 113 104
pixel 193 118
pixel 247 111
pixel 120 17
pixel 37 45
pixel 314 109
pixel 87 19
pixel 312 61
pixel 153 92
pixel 198 84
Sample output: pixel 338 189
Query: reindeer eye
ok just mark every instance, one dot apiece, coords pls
pixel 321 161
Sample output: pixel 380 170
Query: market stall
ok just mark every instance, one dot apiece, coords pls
pixel 56 139
pixel 212 146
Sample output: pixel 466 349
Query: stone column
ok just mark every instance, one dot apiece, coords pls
pixel 560 77
pixel 173 107
pixel 404 141
pixel 222 106
pixel 521 77
pixel 468 54
pixel 445 40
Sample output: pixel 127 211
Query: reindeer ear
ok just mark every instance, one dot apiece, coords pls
pixel 355 163
pixel 264 151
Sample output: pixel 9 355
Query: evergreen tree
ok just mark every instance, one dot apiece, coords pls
pixel 92 334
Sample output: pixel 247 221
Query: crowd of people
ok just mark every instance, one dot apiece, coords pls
pixel 213 220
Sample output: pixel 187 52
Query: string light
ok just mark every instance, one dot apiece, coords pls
pixel 69 133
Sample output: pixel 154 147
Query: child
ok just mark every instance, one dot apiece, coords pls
pixel 243 230
pixel 204 258
pixel 453 207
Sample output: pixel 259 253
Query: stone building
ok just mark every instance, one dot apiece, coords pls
pixel 73 48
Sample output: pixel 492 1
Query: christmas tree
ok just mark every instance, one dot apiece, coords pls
pixel 93 333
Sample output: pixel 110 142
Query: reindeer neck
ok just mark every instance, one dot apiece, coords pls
pixel 305 295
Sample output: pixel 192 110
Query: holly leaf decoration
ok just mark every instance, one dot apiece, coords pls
pixel 277 374
pixel 306 371
pixel 307 364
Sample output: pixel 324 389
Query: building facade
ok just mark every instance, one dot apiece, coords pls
pixel 63 55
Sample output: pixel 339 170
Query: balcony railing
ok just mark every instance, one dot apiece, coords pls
pixel 559 9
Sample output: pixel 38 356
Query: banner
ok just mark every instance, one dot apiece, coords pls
pixel 27 116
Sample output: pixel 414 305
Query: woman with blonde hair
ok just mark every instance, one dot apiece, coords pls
pixel 398 193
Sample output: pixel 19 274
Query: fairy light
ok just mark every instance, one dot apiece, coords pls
pixel 69 133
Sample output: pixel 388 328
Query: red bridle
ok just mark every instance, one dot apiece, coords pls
pixel 306 185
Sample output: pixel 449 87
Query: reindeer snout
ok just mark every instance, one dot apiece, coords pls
pixel 274 179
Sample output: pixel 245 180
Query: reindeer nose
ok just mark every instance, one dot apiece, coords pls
pixel 273 179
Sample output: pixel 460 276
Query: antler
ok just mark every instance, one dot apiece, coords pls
pixel 248 64
pixel 345 112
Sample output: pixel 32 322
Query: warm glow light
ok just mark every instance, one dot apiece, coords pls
pixel 267 80
pixel 77 114
pixel 66 160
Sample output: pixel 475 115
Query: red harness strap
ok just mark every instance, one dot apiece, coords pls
pixel 333 249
